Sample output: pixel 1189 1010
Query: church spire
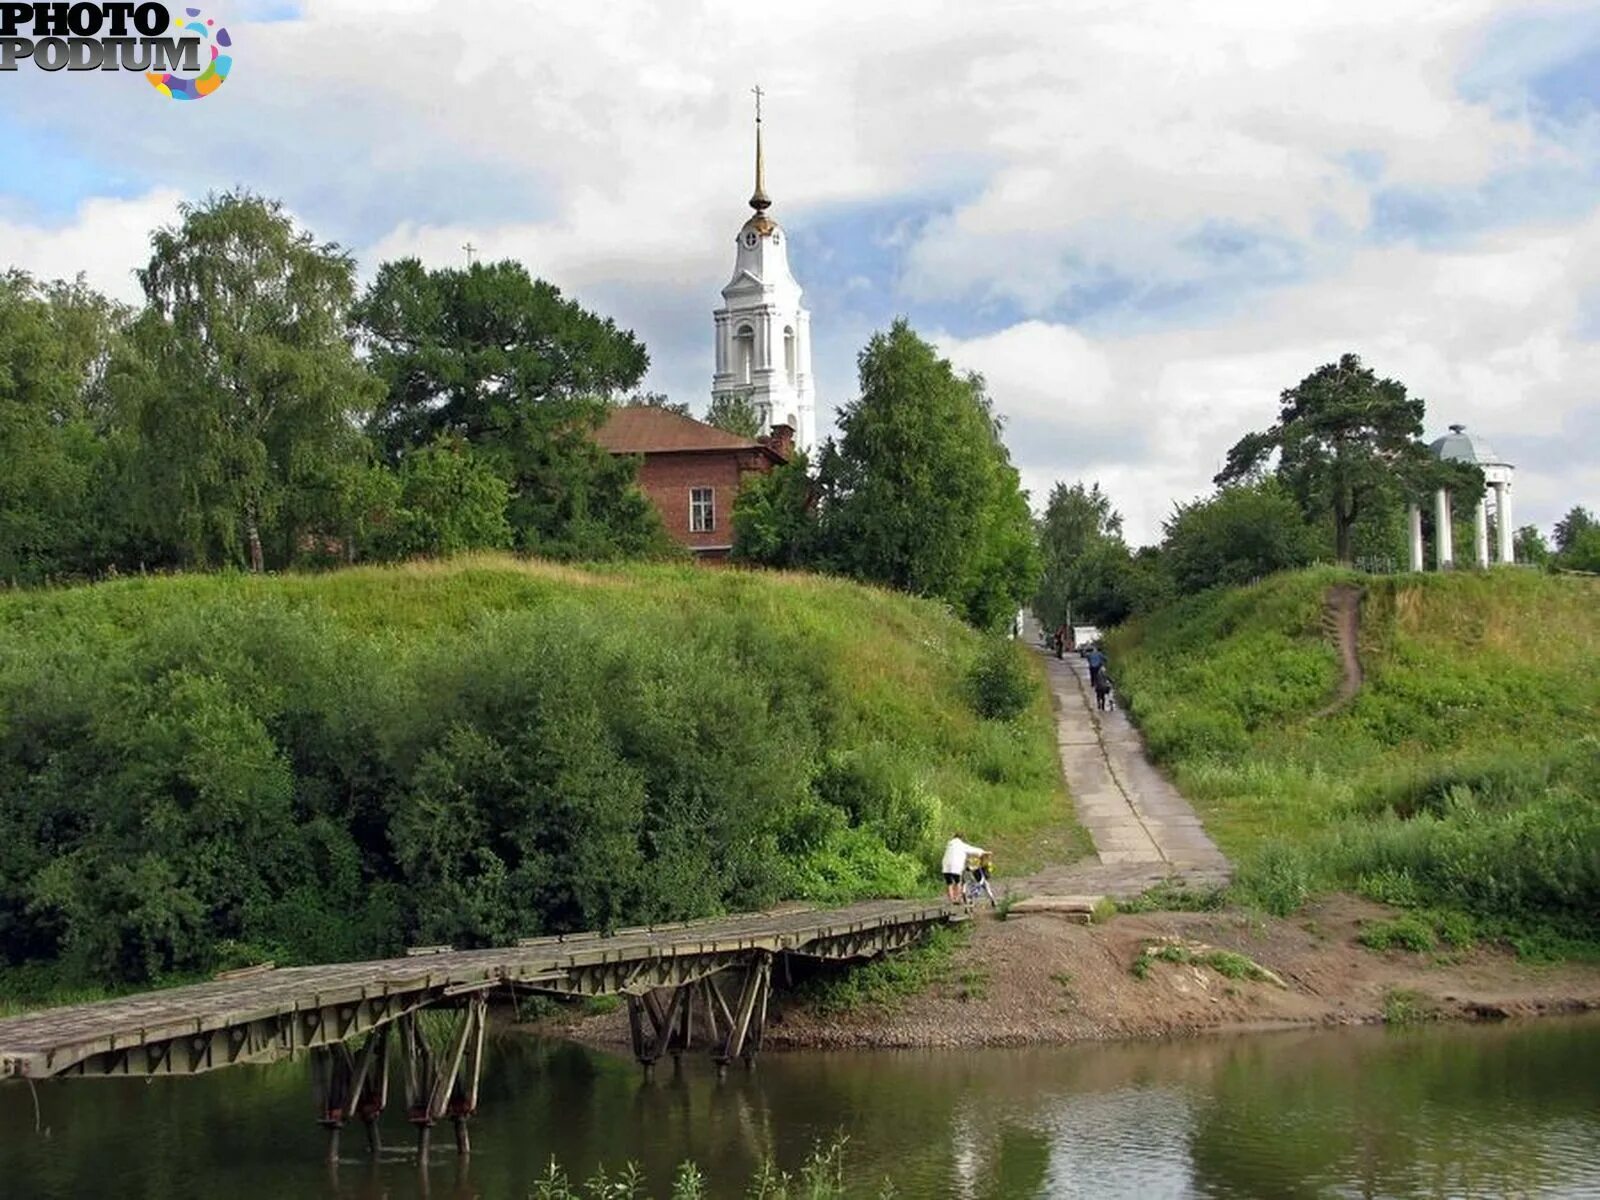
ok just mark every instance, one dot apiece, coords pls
pixel 758 199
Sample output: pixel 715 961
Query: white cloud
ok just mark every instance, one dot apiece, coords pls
pixel 1485 334
pixel 106 240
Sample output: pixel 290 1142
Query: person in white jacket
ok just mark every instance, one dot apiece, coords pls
pixel 956 853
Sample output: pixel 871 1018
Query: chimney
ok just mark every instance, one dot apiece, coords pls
pixel 781 441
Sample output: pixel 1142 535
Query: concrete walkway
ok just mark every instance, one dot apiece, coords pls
pixel 1144 831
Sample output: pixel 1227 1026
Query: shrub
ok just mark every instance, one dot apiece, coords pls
pixel 889 981
pixel 1408 932
pixel 879 790
pixel 1403 1006
pixel 1277 878
pixel 315 768
pixel 1000 683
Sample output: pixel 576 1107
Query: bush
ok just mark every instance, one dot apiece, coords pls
pixel 197 770
pixel 1000 683
pixel 879 790
pixel 1408 932
pixel 1277 878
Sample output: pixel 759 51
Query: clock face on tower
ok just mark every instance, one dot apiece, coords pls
pixel 750 240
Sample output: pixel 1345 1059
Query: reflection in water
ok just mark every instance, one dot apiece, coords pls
pixel 1439 1112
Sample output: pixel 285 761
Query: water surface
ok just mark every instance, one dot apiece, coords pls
pixel 1510 1110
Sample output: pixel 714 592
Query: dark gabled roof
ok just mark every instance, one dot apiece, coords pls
pixel 643 429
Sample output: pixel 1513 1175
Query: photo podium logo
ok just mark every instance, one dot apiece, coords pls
pixel 184 58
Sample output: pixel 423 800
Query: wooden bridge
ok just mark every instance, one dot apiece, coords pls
pixel 707 978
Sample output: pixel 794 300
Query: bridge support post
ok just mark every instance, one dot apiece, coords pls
pixel 371 1090
pixel 331 1071
pixel 657 1029
pixel 419 1070
pixel 736 1029
pixel 463 1088
pixel 437 1086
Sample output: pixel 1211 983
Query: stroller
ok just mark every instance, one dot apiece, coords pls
pixel 975 880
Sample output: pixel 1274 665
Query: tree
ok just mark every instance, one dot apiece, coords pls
pixel 1244 531
pixel 1076 520
pixel 659 400
pixel 1347 442
pixel 447 500
pixel 253 389
pixel 733 412
pixel 1528 546
pixel 63 437
pixel 503 362
pixel 919 492
pixel 1582 552
pixel 775 518
pixel 1572 526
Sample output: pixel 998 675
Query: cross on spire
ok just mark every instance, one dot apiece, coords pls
pixel 471 251
pixel 758 199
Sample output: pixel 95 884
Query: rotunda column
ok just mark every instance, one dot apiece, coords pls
pixel 1502 504
pixel 1444 552
pixel 1480 531
pixel 1414 524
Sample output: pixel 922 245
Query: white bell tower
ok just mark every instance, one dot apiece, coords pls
pixel 763 332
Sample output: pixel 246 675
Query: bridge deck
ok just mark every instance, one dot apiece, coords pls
pixel 268 1015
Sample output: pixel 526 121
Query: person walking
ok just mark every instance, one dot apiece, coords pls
pixel 956 852
pixel 1102 690
pixel 1063 640
pixel 1097 663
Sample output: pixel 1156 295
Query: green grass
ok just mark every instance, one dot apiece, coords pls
pixel 1409 931
pixel 1403 1006
pixel 1169 896
pixel 889 981
pixel 1227 963
pixel 823 1176
pixel 1464 779
pixel 325 766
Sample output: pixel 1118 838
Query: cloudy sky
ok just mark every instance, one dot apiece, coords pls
pixel 1140 219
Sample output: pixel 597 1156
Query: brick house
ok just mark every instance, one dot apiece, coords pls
pixel 692 471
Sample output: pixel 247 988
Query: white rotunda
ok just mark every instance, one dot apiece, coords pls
pixel 763 332
pixel 1460 446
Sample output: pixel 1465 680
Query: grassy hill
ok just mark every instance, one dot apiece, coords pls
pixel 1463 781
pixel 202 770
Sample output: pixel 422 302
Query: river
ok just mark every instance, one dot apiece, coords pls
pixel 1508 1110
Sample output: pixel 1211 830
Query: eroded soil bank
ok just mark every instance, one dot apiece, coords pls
pixel 1039 979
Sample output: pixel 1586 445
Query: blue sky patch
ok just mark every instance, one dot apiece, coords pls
pixel 47 177
pixel 1440 218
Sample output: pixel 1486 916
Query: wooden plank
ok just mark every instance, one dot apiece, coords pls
pixel 56 1040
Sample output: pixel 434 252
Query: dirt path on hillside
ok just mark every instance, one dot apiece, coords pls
pixel 1341 620
pixel 1041 979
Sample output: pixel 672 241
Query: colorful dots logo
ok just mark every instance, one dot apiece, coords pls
pixel 216 39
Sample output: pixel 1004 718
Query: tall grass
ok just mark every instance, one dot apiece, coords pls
pixel 1465 775
pixel 821 1177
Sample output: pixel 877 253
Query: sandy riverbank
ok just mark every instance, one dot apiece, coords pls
pixel 1039 979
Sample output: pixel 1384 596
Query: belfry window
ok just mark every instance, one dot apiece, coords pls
pixel 788 352
pixel 744 353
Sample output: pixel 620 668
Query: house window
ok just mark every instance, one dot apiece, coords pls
pixel 702 510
